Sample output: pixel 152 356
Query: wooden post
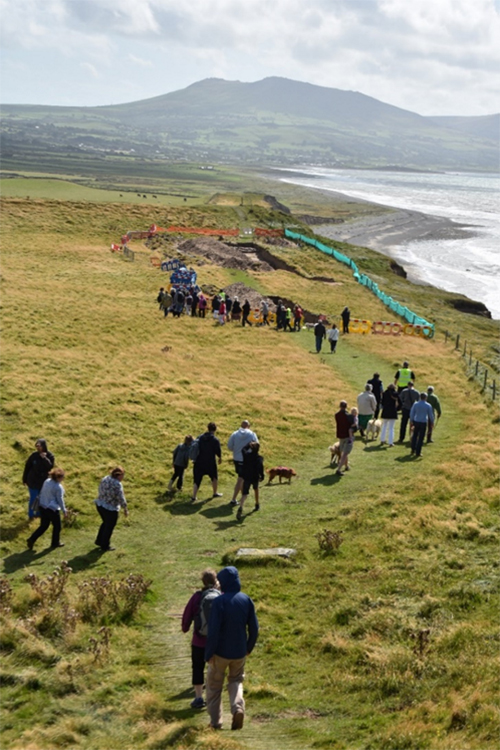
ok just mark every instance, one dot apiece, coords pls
pixel 470 357
pixel 477 367
pixel 494 389
pixel 465 349
pixel 446 337
pixel 485 379
pixel 457 343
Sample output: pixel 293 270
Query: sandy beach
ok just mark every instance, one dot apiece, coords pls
pixel 394 228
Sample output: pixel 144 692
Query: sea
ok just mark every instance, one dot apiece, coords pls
pixel 469 265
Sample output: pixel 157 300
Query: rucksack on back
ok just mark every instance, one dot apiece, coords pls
pixel 203 615
pixel 194 450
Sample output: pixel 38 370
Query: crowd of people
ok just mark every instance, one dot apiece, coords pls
pixel 420 411
pixel 225 626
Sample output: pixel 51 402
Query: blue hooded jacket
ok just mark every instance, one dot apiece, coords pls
pixel 233 626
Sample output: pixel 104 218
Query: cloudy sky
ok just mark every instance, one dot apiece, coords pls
pixel 429 56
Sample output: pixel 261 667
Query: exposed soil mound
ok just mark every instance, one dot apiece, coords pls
pixel 222 254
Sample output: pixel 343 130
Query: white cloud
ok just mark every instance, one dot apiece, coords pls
pixel 395 50
pixel 89 68
pixel 140 61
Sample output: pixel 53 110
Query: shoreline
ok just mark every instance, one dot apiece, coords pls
pixel 394 232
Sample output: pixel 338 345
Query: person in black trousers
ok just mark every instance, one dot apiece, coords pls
pixel 109 502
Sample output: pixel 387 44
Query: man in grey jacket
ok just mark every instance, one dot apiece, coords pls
pixel 239 440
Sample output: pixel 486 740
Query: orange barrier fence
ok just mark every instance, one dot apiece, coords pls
pixel 386 328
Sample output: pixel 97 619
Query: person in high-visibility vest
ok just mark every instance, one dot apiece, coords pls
pixel 403 377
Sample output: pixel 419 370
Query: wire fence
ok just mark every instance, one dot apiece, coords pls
pixel 485 377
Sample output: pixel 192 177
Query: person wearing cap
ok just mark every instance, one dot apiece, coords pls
pixel 433 400
pixel 408 396
pixel 421 414
pixel 232 633
pixel 367 403
pixel 403 377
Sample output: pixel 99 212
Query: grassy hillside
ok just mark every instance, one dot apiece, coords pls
pixel 390 643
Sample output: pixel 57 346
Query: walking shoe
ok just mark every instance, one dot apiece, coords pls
pixel 108 549
pixel 198 703
pixel 193 499
pixel 257 506
pixel 29 544
pixel 55 546
pixel 239 514
pixel 237 722
pixel 215 726
pixel 339 473
pixel 217 494
pixel 347 468
pixel 233 502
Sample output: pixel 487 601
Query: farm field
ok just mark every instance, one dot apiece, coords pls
pixel 389 642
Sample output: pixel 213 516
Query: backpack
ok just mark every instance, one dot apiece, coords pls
pixel 203 615
pixel 194 450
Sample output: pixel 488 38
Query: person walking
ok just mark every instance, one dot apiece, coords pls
pixel 345 433
pixel 180 462
pixel 297 317
pixel 367 403
pixel 403 377
pixel 51 503
pixel 232 633
pixel 346 317
pixel 205 463
pixel 237 441
pixel 246 312
pixel 264 309
pixel 390 405
pixel 36 471
pixel 319 334
pixel 110 500
pixel 166 303
pixel 421 415
pixel 202 305
pixel 236 310
pixel 196 611
pixel 433 400
pixel 253 473
pixel 333 335
pixel 288 320
pixel 407 397
pixel 377 389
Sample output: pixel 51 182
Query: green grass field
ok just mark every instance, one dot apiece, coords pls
pixel 389 644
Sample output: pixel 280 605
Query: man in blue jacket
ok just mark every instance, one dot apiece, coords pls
pixel 232 634
pixel 421 414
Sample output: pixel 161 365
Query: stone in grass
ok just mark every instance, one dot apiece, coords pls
pixel 267 552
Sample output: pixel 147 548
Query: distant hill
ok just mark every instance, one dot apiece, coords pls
pixel 273 121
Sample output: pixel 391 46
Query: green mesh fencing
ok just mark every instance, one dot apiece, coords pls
pixel 365 280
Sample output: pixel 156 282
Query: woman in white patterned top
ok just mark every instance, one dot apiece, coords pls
pixel 111 499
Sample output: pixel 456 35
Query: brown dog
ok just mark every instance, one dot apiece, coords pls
pixel 283 472
pixel 334 453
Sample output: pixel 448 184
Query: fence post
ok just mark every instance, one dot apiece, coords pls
pixel 470 357
pixel 477 367
pixel 485 379
pixel 446 334
pixel 494 389
pixel 465 349
pixel 457 343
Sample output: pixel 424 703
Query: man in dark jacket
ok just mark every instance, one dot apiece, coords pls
pixel 319 334
pixel 232 634
pixel 205 463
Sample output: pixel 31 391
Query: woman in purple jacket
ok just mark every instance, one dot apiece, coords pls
pixel 192 614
